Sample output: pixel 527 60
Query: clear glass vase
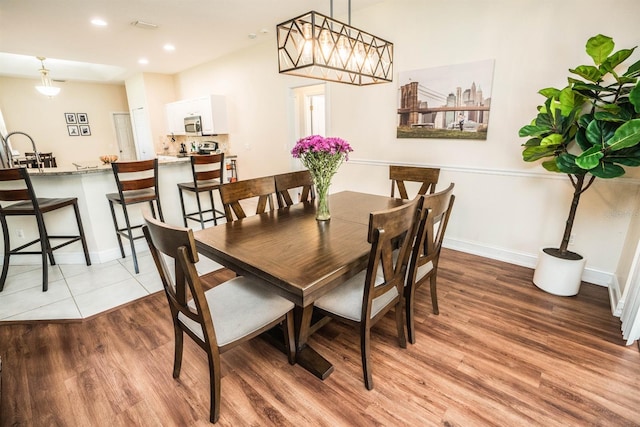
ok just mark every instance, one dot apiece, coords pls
pixel 322 211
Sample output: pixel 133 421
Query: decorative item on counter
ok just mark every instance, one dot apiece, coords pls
pixel 108 158
pixel 322 156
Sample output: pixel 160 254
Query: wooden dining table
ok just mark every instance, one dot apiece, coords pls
pixel 297 256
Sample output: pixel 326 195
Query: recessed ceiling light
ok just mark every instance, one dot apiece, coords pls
pixel 98 22
pixel 252 35
pixel 169 47
pixel 143 61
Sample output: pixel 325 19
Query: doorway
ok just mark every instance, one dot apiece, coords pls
pixel 308 107
pixel 124 136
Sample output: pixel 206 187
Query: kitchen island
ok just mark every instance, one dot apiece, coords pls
pixel 90 184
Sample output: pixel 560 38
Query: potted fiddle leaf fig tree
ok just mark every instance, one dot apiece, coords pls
pixel 589 129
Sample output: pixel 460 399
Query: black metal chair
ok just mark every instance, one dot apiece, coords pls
pixel 27 204
pixel 137 183
pixel 207 177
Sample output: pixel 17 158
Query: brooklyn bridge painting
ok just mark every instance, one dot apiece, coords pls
pixel 445 102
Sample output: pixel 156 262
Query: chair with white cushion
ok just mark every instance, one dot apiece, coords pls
pixel 423 264
pixel 365 298
pixel 219 319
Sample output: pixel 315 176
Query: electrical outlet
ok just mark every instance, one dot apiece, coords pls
pixel 21 233
pixel 572 239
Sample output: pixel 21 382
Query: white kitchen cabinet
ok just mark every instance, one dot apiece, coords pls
pixel 212 110
pixel 175 113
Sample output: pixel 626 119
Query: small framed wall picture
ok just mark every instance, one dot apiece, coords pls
pixel 83 119
pixel 71 118
pixel 85 130
pixel 73 130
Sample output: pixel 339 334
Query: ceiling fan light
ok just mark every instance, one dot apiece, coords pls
pixel 48 90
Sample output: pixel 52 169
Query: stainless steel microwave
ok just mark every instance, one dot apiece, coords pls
pixel 193 126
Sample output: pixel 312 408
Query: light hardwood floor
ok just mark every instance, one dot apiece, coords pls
pixel 501 352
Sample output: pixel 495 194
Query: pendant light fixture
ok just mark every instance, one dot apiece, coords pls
pixel 46 88
pixel 317 46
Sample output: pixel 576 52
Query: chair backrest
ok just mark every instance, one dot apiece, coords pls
pixel 233 192
pixel 386 229
pixel 137 175
pixel 177 244
pixel 17 186
pixel 294 180
pixel 207 167
pixel 428 177
pixel 434 218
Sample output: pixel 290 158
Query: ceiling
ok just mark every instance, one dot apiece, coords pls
pixel 200 30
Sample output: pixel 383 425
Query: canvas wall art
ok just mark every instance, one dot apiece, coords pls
pixel 452 101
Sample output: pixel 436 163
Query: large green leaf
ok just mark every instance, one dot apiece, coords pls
pixel 569 100
pixel 598 132
pixel 634 69
pixel 550 165
pixel 588 72
pixel 567 164
pixel 590 158
pixel 531 154
pixel 634 97
pixel 626 136
pixel 592 88
pixel 553 139
pixel 582 141
pixel 599 47
pixel 607 170
pixel 607 116
pixel 616 59
pixel 533 142
pixel 627 161
pixel 530 130
pixel 549 92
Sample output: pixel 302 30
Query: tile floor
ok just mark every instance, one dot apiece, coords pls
pixel 78 291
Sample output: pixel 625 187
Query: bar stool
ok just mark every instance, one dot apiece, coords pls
pixel 137 182
pixel 207 177
pixel 27 204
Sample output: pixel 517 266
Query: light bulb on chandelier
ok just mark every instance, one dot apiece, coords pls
pixel 46 88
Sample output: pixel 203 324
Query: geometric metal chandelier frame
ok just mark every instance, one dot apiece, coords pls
pixel 317 46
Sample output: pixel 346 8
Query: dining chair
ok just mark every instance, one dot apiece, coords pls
pixel 365 298
pixel 233 192
pixel 137 182
pixel 427 177
pixel 425 255
pixel 220 318
pixel 300 181
pixel 17 188
pixel 207 177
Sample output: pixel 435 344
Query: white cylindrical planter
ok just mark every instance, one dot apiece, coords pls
pixel 559 276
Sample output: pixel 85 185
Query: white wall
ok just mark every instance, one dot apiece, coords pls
pixel 505 208
pixel 26 110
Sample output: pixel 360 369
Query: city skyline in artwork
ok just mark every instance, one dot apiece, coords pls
pixel 445 102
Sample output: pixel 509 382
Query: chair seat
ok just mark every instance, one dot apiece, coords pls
pixel 238 307
pixel 212 184
pixel 46 205
pixel 346 299
pixel 135 196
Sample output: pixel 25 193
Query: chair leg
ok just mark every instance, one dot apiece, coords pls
pixel 45 251
pixel 289 338
pixel 402 340
pixel 115 225
pixel 131 241
pixel 76 210
pixel 434 294
pixel 214 379
pixel 177 352
pixel 409 307
pixel 184 212
pixel 213 209
pixel 7 252
pixel 45 236
pixel 365 352
pixel 199 209
pixel 159 209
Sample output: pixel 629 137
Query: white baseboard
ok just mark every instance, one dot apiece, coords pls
pixel 590 275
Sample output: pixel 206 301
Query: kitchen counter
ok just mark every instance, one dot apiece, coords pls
pixel 90 186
